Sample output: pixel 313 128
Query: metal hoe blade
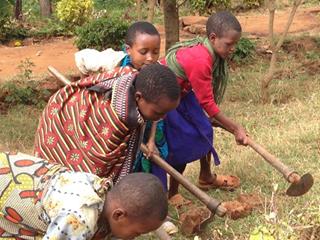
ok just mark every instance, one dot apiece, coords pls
pixel 302 187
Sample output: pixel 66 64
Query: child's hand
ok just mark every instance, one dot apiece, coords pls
pixel 241 136
pixel 152 149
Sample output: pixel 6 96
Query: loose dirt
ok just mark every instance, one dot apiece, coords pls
pixel 243 205
pixel 192 219
pixel 57 52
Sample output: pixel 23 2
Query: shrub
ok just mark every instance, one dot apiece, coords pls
pixel 113 4
pixel 12 29
pixel 51 28
pixel 5 10
pixel 207 6
pixel 74 12
pixel 244 49
pixel 102 33
pixel 249 4
pixel 20 91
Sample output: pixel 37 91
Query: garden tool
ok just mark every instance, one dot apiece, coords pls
pixel 299 184
pixel 212 204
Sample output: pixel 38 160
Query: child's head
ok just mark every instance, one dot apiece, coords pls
pixel 142 44
pixel 136 205
pixel 157 91
pixel 224 31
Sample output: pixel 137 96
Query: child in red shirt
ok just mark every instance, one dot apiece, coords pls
pixel 200 67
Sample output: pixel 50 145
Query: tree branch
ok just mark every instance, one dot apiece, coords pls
pixel 289 22
pixel 269 76
pixel 272 9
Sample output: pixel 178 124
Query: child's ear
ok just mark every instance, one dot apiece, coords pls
pixel 212 37
pixel 128 48
pixel 118 214
pixel 138 95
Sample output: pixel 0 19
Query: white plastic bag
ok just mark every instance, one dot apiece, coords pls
pixel 91 60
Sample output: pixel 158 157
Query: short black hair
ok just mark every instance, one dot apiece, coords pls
pixel 221 22
pixel 142 28
pixel 155 81
pixel 142 196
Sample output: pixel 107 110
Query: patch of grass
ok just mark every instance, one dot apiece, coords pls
pixel 18 127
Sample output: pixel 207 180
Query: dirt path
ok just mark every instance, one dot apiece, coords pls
pixel 60 52
pixel 56 52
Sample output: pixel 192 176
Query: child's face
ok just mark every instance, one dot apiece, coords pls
pixel 144 50
pixel 126 228
pixel 155 111
pixel 225 45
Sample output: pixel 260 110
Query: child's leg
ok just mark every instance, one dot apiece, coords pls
pixel 205 170
pixel 174 184
pixel 208 180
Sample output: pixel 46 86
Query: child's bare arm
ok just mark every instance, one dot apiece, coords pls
pixel 233 127
pixel 151 145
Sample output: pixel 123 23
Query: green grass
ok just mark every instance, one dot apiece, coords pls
pixel 289 127
pixel 18 127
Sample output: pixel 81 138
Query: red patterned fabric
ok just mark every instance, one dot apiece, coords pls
pixel 92 125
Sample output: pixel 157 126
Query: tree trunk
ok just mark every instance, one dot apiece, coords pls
pixel 171 22
pixel 272 9
pixel 151 6
pixel 18 10
pixel 139 11
pixel 45 8
pixel 161 4
pixel 265 95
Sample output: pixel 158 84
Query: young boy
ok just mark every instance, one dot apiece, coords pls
pixel 142 44
pixel 94 125
pixel 40 200
pixel 142 47
pixel 201 71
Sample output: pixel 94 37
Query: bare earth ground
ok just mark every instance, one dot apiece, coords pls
pixel 59 52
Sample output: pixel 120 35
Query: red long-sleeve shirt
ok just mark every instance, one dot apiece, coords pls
pixel 197 64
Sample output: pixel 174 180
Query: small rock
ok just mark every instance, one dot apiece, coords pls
pixel 28 41
pixel 169 227
pixel 38 53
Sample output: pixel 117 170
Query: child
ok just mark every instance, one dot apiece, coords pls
pixel 201 71
pixel 142 44
pixel 94 125
pixel 142 47
pixel 40 200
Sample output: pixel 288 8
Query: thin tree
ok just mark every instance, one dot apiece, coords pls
pixel 151 6
pixel 18 10
pixel 171 22
pixel 45 8
pixel 139 10
pixel 265 95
